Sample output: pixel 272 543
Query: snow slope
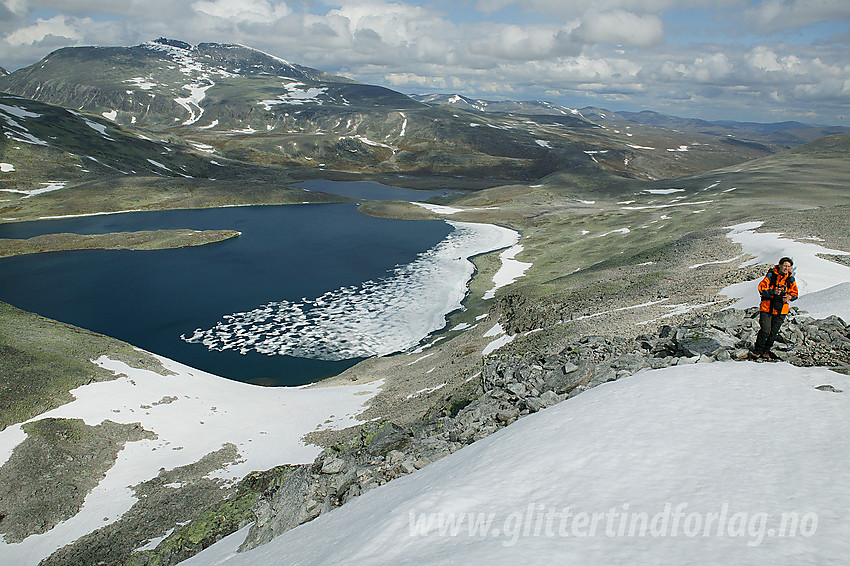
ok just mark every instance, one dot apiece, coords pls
pixel 723 463
pixel 192 413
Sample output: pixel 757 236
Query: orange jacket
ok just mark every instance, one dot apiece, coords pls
pixel 771 300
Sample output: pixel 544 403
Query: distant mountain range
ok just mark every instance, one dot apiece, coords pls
pixel 216 101
pixel 787 134
pixel 534 107
pixel 249 106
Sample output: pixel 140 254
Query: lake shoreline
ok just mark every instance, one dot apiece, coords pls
pixel 421 283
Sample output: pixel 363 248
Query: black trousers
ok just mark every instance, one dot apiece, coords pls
pixel 770 324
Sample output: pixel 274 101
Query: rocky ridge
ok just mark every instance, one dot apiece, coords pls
pixel 511 387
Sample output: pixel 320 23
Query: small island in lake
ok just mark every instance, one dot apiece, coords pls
pixel 142 240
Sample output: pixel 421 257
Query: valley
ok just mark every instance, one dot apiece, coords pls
pixel 625 225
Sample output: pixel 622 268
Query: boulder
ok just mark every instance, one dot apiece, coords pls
pixel 386 437
pixel 704 341
pixel 333 465
pixel 549 398
pixel 566 382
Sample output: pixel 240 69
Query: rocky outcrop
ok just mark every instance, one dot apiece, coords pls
pixel 204 509
pixel 513 386
pixel 214 523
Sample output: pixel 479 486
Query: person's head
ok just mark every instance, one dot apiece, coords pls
pixel 785 265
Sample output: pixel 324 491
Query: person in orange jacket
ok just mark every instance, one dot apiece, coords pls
pixel 777 289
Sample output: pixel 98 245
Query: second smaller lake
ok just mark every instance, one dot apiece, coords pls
pixel 368 190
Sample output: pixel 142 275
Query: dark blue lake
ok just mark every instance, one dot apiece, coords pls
pixel 151 298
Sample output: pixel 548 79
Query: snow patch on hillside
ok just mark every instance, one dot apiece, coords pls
pixel 18 112
pixel 16 131
pixel 297 93
pixel 657 206
pixel 510 270
pixel 47 187
pixel 192 103
pixel 205 412
pixel 442 209
pixel 500 339
pixel 99 128
pixel 143 83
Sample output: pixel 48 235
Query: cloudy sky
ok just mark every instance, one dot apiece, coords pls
pixel 760 60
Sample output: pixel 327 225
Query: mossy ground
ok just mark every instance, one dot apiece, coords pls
pixel 144 240
pixel 49 474
pixel 43 360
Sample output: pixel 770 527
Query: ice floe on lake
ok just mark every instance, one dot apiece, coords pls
pixel 376 318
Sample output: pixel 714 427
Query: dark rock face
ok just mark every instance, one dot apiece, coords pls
pixel 386 438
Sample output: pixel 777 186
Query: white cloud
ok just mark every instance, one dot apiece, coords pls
pixel 18 7
pixel 409 80
pixel 574 8
pixel 774 15
pixel 765 59
pixel 140 10
pixel 615 49
pixel 252 11
pixel 523 43
pixel 394 23
pixel 712 68
pixel 57 26
pixel 620 27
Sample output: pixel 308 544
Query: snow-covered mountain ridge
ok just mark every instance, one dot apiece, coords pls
pixel 163 82
pixel 247 105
